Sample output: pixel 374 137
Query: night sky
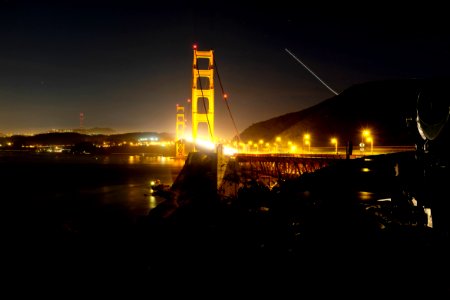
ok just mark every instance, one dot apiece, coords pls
pixel 126 64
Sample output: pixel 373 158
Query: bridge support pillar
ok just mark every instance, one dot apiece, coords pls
pixel 203 92
pixel 181 125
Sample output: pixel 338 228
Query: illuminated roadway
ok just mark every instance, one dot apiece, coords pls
pixel 341 151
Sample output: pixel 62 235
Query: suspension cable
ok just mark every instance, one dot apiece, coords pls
pixel 225 98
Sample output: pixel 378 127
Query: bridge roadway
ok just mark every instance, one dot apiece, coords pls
pixel 269 167
pixel 282 165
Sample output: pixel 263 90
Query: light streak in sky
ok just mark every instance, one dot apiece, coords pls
pixel 311 71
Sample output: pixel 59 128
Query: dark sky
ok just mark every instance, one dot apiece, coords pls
pixel 126 64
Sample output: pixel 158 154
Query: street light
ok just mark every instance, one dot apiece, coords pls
pixel 309 146
pixel 365 134
pixel 370 140
pixel 306 141
pixel 278 142
pixel 335 142
pixel 242 146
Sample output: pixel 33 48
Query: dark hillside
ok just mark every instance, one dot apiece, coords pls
pixel 382 107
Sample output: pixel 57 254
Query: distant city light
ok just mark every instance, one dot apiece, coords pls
pixel 152 139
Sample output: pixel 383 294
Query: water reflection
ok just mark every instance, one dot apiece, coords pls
pixel 84 188
pixel 152 202
pixel 366 196
pixel 133 199
pixel 146 159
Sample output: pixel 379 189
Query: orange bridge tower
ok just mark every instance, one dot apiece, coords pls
pixel 203 92
pixel 181 125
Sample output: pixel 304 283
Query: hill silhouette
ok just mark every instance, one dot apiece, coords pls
pixel 383 107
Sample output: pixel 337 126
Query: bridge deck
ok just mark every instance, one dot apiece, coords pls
pixel 282 165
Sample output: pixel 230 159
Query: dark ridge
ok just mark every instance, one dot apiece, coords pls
pixel 381 106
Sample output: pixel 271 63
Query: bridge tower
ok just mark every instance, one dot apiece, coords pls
pixel 203 92
pixel 181 125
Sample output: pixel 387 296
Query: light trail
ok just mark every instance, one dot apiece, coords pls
pixel 333 91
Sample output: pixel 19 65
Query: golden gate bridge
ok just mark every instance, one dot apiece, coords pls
pixel 238 163
pixel 270 159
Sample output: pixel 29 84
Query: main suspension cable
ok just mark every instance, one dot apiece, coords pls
pixel 225 98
